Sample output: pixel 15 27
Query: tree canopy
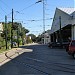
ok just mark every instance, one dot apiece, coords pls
pixel 33 37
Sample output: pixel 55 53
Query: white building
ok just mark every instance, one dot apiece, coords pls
pixel 64 21
pixel 1 27
pixel 46 37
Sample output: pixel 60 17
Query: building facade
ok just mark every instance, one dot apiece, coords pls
pixel 63 26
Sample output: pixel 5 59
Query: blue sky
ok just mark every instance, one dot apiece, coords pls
pixel 25 11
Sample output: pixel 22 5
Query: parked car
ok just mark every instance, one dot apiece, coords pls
pixel 53 44
pixel 58 44
pixel 65 45
pixel 71 48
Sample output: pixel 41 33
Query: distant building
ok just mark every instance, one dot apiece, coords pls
pixel 46 37
pixel 1 27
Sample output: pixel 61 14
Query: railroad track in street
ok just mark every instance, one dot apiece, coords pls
pixel 43 66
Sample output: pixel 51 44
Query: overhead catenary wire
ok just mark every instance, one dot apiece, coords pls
pixel 3 10
pixel 5 4
pixel 27 7
pixel 7 16
pixel 33 20
pixel 20 12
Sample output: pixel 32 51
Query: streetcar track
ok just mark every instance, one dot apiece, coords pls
pixel 34 67
pixel 26 64
pixel 51 63
pixel 59 65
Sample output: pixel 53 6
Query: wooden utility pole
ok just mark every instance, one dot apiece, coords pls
pixel 12 31
pixel 60 30
pixel 44 19
pixel 18 36
pixel 6 31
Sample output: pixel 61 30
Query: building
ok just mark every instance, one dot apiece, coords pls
pixel 63 26
pixel 1 27
pixel 46 37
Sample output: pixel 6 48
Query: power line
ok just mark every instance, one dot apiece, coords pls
pixel 5 4
pixel 27 7
pixel 6 15
pixel 33 20
pixel 3 10
pixel 19 12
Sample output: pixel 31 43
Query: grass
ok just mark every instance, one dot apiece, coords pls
pixel 3 49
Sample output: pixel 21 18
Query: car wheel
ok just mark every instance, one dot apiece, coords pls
pixel 51 46
pixel 74 55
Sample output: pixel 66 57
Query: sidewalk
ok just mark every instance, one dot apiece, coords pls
pixel 11 54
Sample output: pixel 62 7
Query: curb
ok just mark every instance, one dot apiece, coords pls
pixel 11 54
pixel 4 56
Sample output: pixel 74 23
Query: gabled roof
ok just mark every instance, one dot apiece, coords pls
pixel 66 14
pixel 67 10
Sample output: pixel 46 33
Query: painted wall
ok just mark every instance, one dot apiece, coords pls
pixel 65 20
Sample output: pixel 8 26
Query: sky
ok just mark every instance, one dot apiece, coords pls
pixel 30 13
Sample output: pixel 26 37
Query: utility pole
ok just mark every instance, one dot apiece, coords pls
pixel 60 30
pixel 12 31
pixel 6 31
pixel 44 19
pixel 18 36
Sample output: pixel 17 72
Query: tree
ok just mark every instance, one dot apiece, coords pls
pixel 23 33
pixel 33 37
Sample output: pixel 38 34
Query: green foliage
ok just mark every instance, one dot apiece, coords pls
pixel 24 30
pixel 38 39
pixel 33 37
pixel 2 35
pixel 28 40
pixel 16 26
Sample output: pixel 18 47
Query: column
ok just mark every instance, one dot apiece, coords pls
pixel 73 32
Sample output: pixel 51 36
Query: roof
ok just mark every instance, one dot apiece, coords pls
pixel 66 14
pixel 67 10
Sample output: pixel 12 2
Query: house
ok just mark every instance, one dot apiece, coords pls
pixel 63 26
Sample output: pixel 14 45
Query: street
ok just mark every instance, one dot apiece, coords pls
pixel 41 61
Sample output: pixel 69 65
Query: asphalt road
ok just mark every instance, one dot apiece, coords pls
pixel 41 61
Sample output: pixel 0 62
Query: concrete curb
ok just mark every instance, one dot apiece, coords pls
pixel 11 54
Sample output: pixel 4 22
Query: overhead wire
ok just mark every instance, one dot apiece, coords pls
pixel 3 10
pixel 27 7
pixel 5 4
pixel 19 12
pixel 7 16
pixel 33 20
